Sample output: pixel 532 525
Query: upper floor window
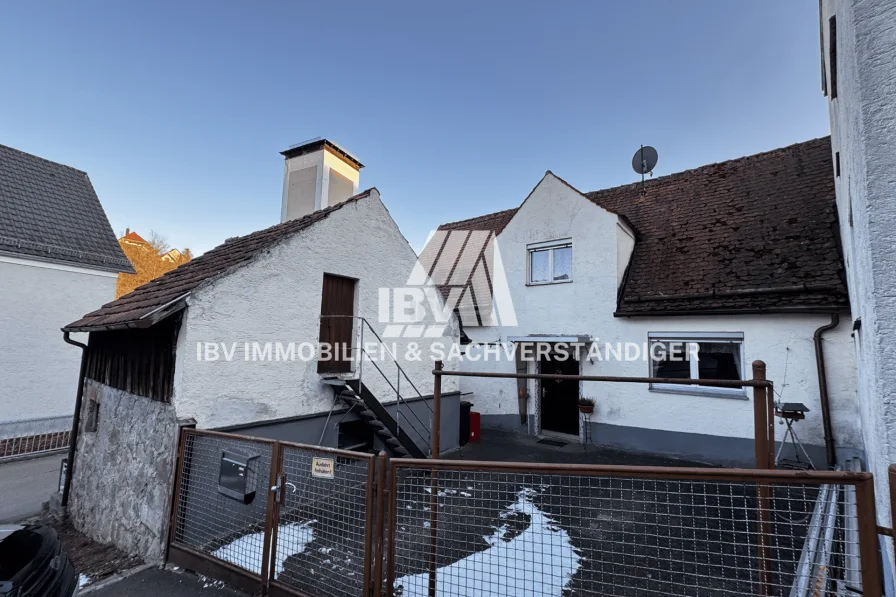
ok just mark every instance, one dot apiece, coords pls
pixel 550 262
pixel 832 52
pixel 705 355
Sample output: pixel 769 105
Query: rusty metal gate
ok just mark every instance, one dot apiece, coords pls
pixel 288 519
pixel 311 521
pixel 462 528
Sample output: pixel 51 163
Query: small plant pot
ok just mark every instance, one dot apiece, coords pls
pixel 586 410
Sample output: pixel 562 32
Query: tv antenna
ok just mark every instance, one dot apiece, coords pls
pixel 644 161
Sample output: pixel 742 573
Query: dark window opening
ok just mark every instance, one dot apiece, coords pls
pixel 356 436
pixel 832 53
pixel 837 163
pixel 92 418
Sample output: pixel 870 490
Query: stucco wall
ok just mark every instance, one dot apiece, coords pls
pixel 863 127
pixel 38 371
pixel 585 307
pixel 277 298
pixel 120 491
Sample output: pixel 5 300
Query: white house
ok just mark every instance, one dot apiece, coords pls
pixel 858 43
pixel 740 257
pixel 58 258
pixel 229 341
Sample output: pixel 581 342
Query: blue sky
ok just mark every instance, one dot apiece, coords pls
pixel 178 110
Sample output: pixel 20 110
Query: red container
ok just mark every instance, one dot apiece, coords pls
pixel 475 423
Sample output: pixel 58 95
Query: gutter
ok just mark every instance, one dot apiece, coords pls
pixel 73 436
pixel 823 389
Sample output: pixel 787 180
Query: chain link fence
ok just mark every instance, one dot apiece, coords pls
pixel 210 517
pixel 497 529
pixel 34 437
pixel 323 533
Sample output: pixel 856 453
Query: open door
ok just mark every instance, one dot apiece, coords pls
pixel 338 299
pixel 559 399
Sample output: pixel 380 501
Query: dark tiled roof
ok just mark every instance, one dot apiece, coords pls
pixel 141 307
pixel 50 211
pixel 751 234
pixel 494 222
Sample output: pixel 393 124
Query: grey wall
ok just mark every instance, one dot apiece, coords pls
pixel 38 371
pixel 123 471
pixel 712 449
pixel 308 429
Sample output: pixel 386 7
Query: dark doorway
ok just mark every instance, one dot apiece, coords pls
pixel 559 399
pixel 338 298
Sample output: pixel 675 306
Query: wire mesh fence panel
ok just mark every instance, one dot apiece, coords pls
pixel 322 536
pixel 34 437
pixel 221 509
pixel 507 533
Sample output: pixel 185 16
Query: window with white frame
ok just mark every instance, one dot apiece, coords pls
pixel 551 262
pixel 706 355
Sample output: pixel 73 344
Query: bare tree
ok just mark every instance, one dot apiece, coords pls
pixel 159 242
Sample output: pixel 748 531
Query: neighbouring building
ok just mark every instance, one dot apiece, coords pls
pixel 222 343
pixel 148 262
pixel 858 47
pixel 740 257
pixel 58 258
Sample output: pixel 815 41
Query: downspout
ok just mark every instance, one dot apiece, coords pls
pixel 73 436
pixel 823 390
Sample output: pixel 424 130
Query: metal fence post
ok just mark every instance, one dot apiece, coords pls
pixel 269 549
pixel 869 554
pixel 436 409
pixel 380 509
pixel 760 417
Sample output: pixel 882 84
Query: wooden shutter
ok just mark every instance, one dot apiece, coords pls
pixel 338 298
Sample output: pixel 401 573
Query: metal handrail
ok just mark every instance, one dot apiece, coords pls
pixel 400 372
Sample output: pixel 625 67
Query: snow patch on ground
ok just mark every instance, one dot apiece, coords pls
pixel 246 551
pixel 540 561
pixel 83 580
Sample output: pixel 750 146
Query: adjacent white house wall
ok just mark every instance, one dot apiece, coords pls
pixel 863 129
pixel 38 371
pixel 276 298
pixel 585 308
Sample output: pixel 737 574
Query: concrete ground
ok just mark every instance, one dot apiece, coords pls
pixel 154 582
pixel 507 446
pixel 25 485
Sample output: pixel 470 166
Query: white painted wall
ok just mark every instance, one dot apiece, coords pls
pixel 324 161
pixel 863 128
pixel 586 306
pixel 277 298
pixel 38 371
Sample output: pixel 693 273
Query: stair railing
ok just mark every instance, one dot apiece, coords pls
pixel 400 401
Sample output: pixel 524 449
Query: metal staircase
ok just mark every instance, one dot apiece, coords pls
pixel 354 394
pixel 405 435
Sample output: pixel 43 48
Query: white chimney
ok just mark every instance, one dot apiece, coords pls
pixel 317 173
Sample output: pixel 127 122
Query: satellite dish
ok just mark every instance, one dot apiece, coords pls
pixel 645 160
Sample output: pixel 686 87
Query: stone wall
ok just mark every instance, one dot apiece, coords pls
pixel 124 471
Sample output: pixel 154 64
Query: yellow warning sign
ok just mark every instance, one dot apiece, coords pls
pixel 323 468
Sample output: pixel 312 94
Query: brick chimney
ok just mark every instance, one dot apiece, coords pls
pixel 317 173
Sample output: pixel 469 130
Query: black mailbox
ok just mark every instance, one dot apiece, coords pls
pixel 238 476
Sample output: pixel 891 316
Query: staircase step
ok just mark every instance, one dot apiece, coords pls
pixel 393 442
pixel 400 451
pixel 334 381
pixel 368 414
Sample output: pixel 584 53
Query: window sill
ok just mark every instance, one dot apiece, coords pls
pixel 549 283
pixel 699 391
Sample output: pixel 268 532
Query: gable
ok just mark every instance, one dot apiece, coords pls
pixel 153 301
pixel 754 234
pixel 49 211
